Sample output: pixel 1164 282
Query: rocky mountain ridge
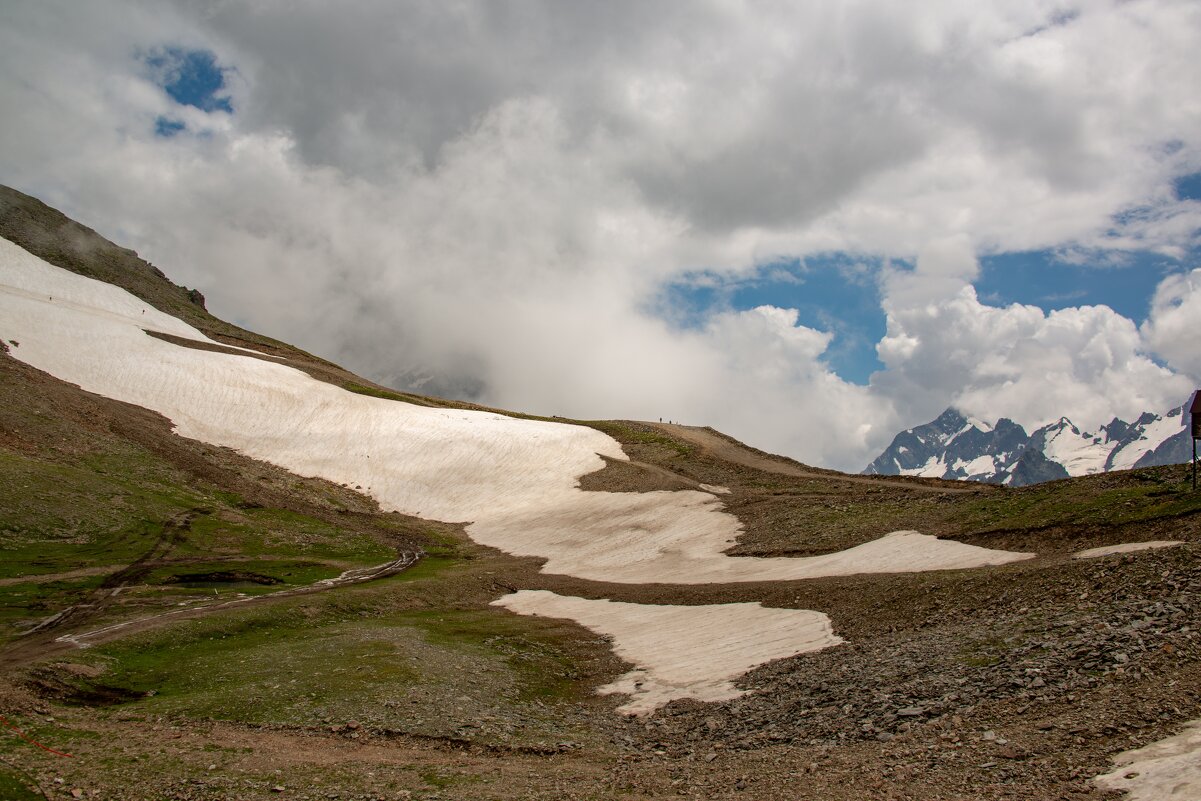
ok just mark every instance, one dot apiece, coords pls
pixel 957 446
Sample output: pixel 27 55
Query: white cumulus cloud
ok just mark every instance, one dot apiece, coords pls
pixel 1171 330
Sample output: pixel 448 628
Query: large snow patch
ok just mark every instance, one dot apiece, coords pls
pixel 684 651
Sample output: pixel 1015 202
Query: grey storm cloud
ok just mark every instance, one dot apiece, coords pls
pixel 757 115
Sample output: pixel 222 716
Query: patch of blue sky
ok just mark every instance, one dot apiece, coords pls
pixel 191 78
pixel 1050 280
pixel 840 293
pixel 835 293
pixel 167 127
pixel 1188 187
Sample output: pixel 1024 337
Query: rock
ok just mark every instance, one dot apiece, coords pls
pixel 195 296
pixel 76 792
pixel 354 725
pixel 910 712
pixel 279 788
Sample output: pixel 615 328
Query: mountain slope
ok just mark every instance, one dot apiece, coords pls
pixel 955 447
pixel 50 235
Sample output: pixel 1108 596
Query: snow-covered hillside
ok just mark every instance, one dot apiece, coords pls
pixel 515 480
pixel 954 446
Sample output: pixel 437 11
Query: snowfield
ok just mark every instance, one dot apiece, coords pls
pixel 1080 453
pixel 684 651
pixel 1125 547
pixel 1167 770
pixel 514 481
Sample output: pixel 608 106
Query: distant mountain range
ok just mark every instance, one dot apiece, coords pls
pixel 955 446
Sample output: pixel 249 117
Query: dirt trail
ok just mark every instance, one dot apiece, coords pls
pixel 174 531
pixel 83 572
pixel 730 451
pixel 404 560
pixel 102 570
pixel 34 647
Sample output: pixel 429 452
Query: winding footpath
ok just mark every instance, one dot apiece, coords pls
pixel 32 647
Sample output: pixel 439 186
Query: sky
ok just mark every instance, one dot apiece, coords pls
pixel 809 225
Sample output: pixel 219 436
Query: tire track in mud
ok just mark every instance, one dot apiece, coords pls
pixel 174 532
pixel 29 650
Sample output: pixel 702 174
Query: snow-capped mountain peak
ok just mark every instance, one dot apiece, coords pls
pixel 956 446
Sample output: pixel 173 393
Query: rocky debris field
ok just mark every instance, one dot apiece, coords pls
pixel 1035 694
